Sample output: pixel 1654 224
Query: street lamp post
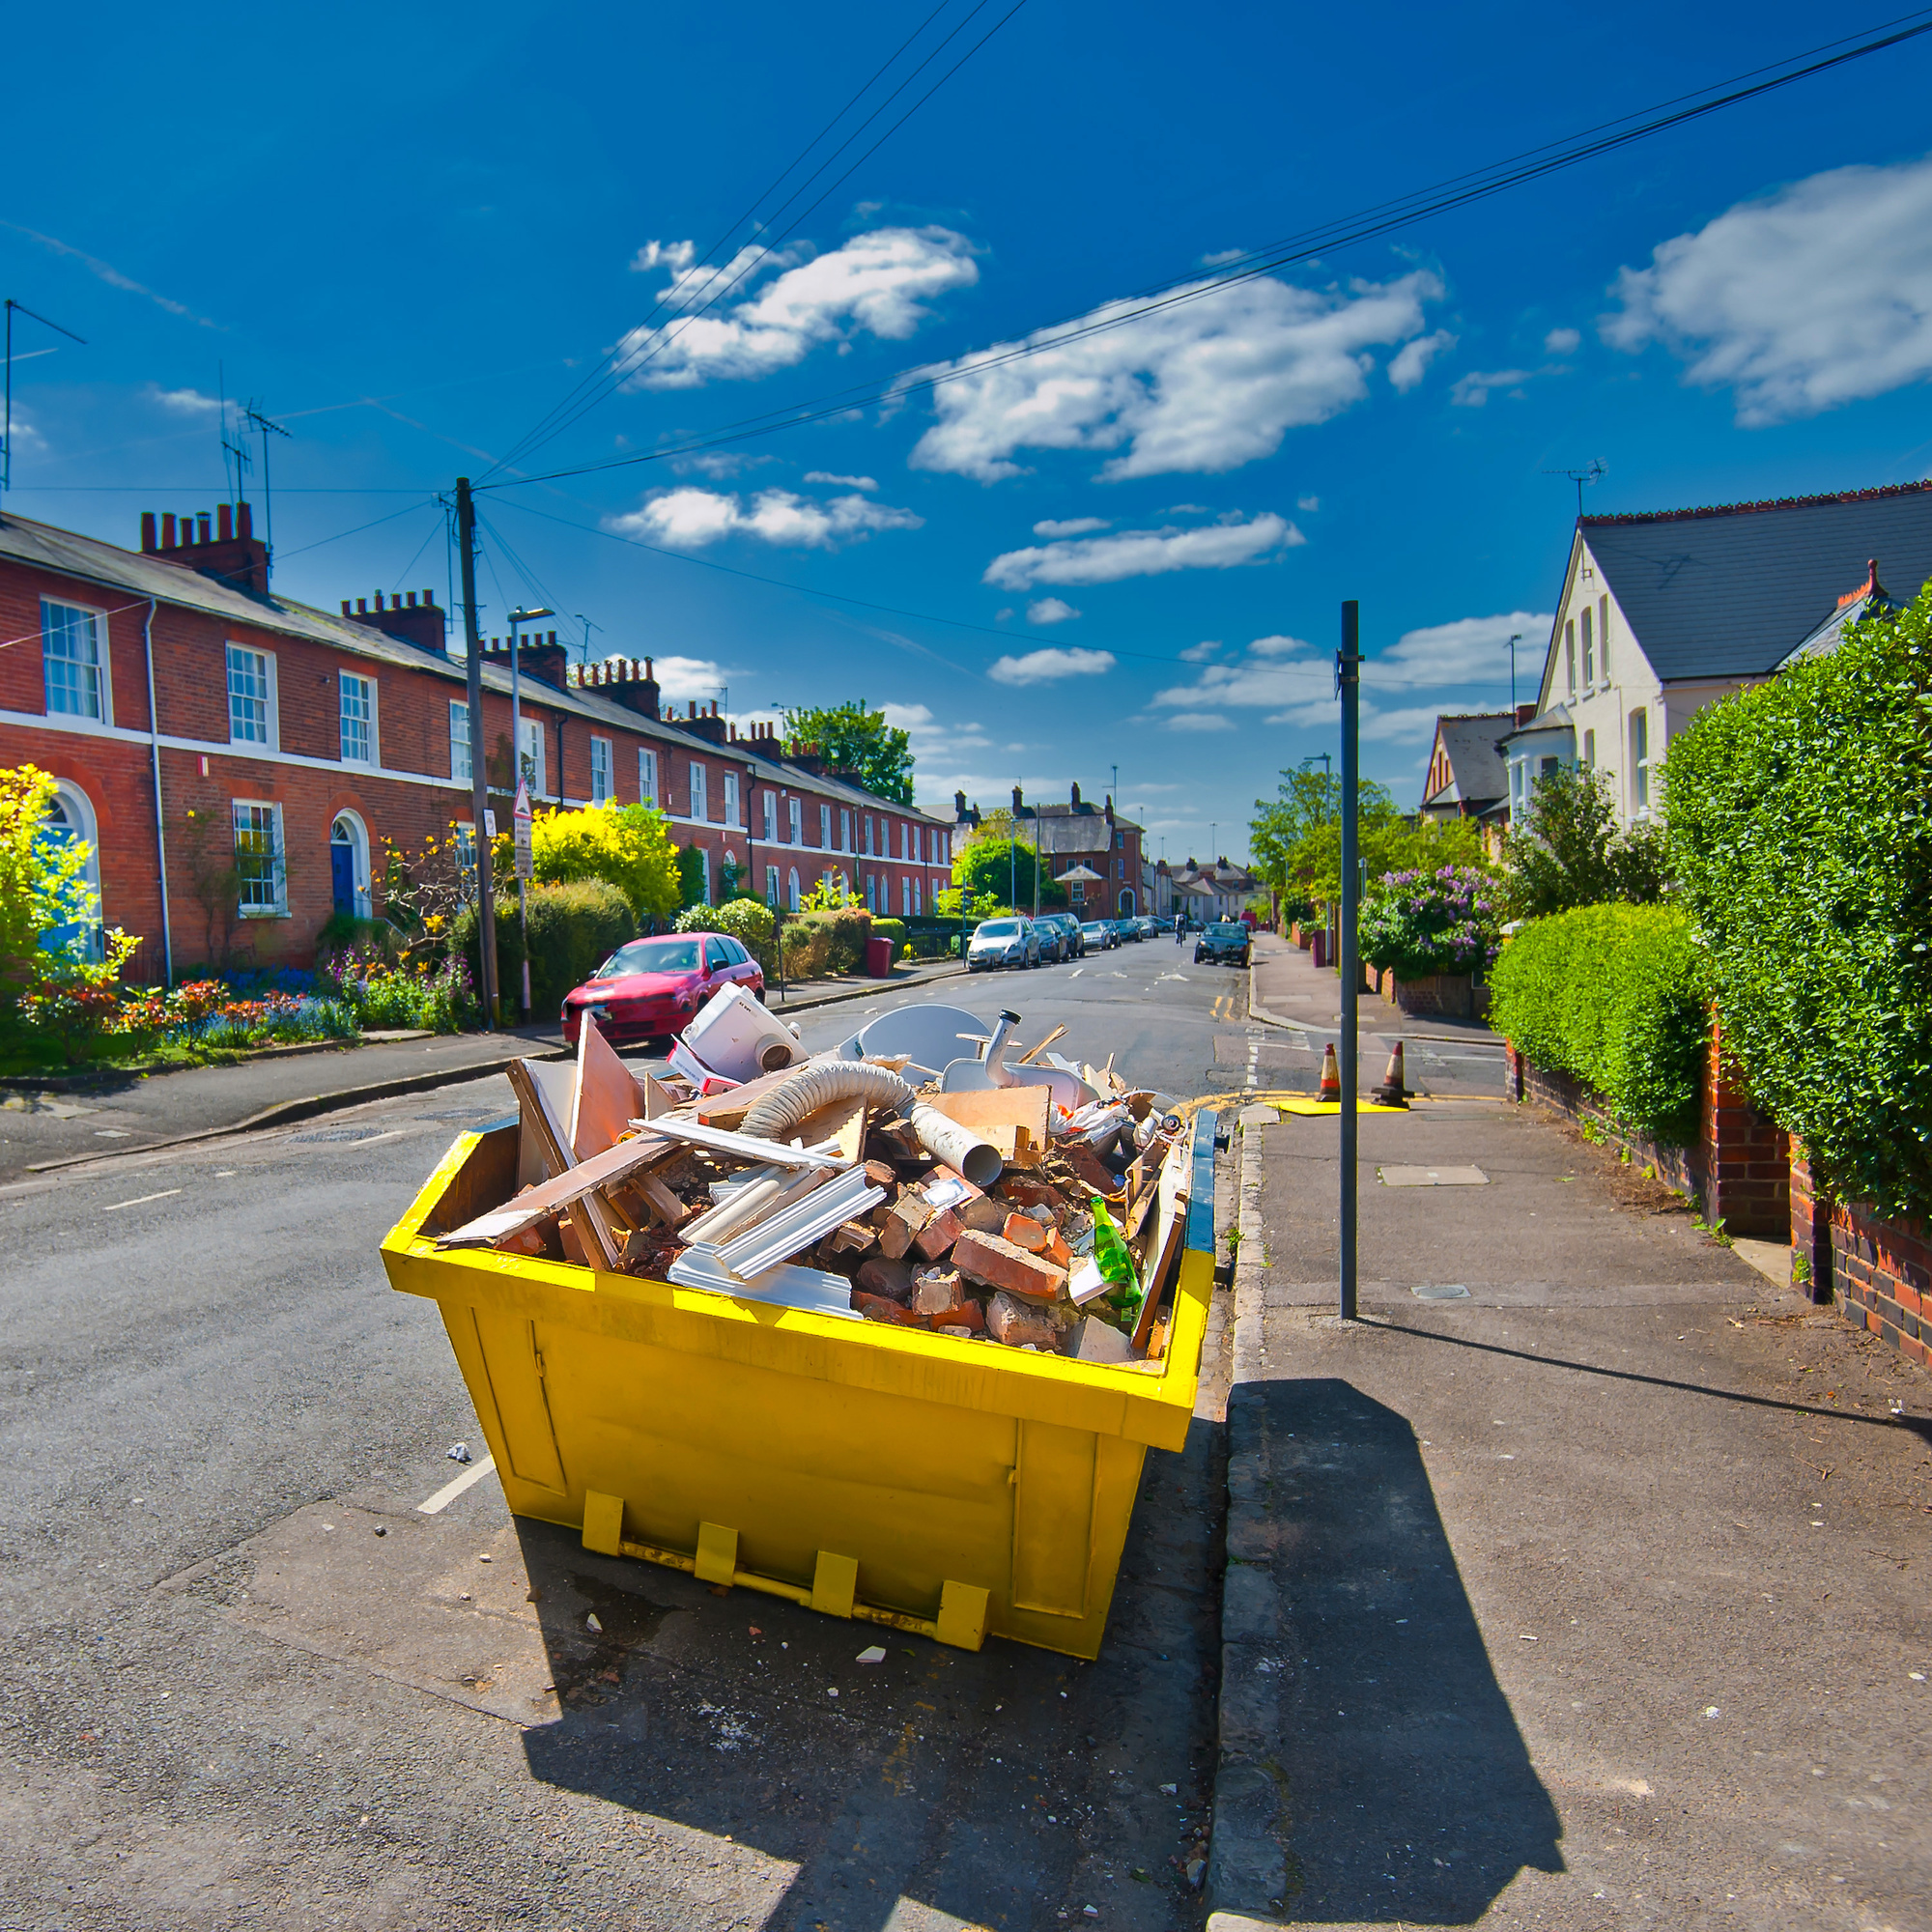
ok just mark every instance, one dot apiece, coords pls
pixel 517 618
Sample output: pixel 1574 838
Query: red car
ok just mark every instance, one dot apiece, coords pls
pixel 651 988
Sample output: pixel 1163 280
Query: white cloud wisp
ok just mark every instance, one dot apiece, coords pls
pixel 1205 385
pixel 1813 297
pixel 690 518
pixel 1050 666
pixel 877 284
pixel 1143 554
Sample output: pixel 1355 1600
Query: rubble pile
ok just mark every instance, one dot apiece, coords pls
pixel 1034 1205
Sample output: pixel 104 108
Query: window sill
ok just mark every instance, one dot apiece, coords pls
pixel 263 912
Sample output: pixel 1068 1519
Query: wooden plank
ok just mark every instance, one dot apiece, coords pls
pixel 589 1215
pixel 839 1120
pixel 729 1110
pixel 604 1096
pixel 982 1107
pixel 1027 1059
pixel 1171 1191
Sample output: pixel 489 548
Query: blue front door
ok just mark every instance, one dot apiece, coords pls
pixel 342 870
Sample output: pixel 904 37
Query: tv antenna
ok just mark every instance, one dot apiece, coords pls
pixel 588 627
pixel 264 428
pixel 6 433
pixel 1593 472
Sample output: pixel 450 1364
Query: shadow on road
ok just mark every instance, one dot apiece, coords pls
pixel 1409 1792
pixel 1002 1788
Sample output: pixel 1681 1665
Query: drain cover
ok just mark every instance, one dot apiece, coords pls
pixel 339 1134
pixel 1449 1291
pixel 1434 1177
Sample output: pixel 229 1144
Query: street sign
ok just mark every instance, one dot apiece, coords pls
pixel 519 813
pixel 489 823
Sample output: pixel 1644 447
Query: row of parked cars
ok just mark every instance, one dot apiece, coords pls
pixel 1054 937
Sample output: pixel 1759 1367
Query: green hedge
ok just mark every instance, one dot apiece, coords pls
pixel 1801 817
pixel 748 921
pixel 1614 995
pixel 893 929
pixel 574 928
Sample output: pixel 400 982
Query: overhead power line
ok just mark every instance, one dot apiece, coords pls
pixel 1380 218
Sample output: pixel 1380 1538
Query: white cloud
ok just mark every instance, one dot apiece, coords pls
pixel 1274 671
pixel 677 256
pixel 1473 391
pixel 26 435
pixel 1221 257
pixel 1561 342
pixel 1308 502
pixel 690 518
pixel 1412 721
pixel 875 284
pixel 1048 667
pixel 1199 720
pixel 1818 295
pixel 1206 386
pixel 843 482
pixel 1410 362
pixel 1050 611
pixel 682 678
pixel 1199 653
pixel 184 402
pixel 1454 653
pixel 1070 526
pixel 1142 553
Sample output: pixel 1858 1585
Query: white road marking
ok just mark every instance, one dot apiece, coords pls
pixel 1076 973
pixel 139 1200
pixel 448 1493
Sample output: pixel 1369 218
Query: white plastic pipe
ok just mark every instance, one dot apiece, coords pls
pixel 959 1148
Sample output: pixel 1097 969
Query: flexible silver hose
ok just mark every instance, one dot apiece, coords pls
pixel 819 1086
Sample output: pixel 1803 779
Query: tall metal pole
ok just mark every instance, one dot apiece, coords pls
pixel 1347 679
pixel 517 763
pixel 479 786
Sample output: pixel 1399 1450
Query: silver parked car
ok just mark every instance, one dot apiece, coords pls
pixel 1002 942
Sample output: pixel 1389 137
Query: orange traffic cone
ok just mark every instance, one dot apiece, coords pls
pixel 1331 1077
pixel 1392 1092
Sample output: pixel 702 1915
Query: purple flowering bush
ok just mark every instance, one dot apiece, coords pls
pixel 1423 923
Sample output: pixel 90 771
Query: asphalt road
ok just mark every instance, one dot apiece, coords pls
pixel 248 1682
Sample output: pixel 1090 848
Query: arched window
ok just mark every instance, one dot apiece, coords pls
pixel 915 899
pixel 348 865
pixel 871 894
pixel 70 820
pixel 793 896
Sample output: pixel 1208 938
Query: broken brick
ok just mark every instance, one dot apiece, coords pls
pixel 941 1298
pixel 1024 1231
pixel 908 1216
pixel 938 1234
pixel 999 1264
pixel 989 1216
pixel 1023 1191
pixel 891 1279
pixel 876 1308
pixel 852 1237
pixel 1019 1325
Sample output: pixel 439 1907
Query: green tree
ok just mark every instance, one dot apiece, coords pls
pixel 995 867
pixel 1296 837
pixel 856 739
pixel 1567 851
pixel 626 845
pixel 42 881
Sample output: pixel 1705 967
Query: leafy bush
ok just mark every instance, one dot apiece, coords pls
pixel 43 888
pixel 1424 923
pixel 1297 837
pixel 690 876
pixel 749 922
pixel 1569 851
pixel 435 995
pixel 1801 815
pixel 574 928
pixel 816 943
pixel 626 845
pixel 1617 996
pixel 893 929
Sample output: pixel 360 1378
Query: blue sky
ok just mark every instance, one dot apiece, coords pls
pixel 411 236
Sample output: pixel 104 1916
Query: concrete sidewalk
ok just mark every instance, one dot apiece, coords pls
pixel 1287 989
pixel 1588 1597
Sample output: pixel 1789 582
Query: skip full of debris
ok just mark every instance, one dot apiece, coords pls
pixel 919 1175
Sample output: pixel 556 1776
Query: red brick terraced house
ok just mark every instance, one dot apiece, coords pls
pixel 199 726
pixel 1079 837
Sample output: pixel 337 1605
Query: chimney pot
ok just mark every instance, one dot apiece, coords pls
pixel 245 520
pixel 202 523
pixel 147 529
pixel 1076 798
pixel 412 600
pixel 429 596
pixel 553 639
pixel 167 530
pixel 225 522
pixel 379 600
pixel 648 671
pixel 346 611
pixel 361 607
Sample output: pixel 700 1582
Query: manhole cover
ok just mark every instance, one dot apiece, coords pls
pixel 1432 1176
pixel 1451 1292
pixel 339 1134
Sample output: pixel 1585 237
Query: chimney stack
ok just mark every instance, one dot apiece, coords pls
pixel 221 546
pixel 420 624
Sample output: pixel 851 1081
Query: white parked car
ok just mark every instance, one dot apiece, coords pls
pixel 1004 941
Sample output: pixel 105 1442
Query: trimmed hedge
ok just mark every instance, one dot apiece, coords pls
pixel 574 928
pixel 816 943
pixel 1801 817
pixel 1615 995
pixel 748 921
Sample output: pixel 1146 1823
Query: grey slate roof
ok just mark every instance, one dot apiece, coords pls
pixel 1475 763
pixel 146 576
pixel 1731 591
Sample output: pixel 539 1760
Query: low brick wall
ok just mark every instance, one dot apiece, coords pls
pixel 1678 1167
pixel 1456 996
pixel 1878 1272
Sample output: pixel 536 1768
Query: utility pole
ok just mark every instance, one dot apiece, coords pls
pixel 1516 638
pixel 479 785
pixel 1348 683
pixel 517 619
